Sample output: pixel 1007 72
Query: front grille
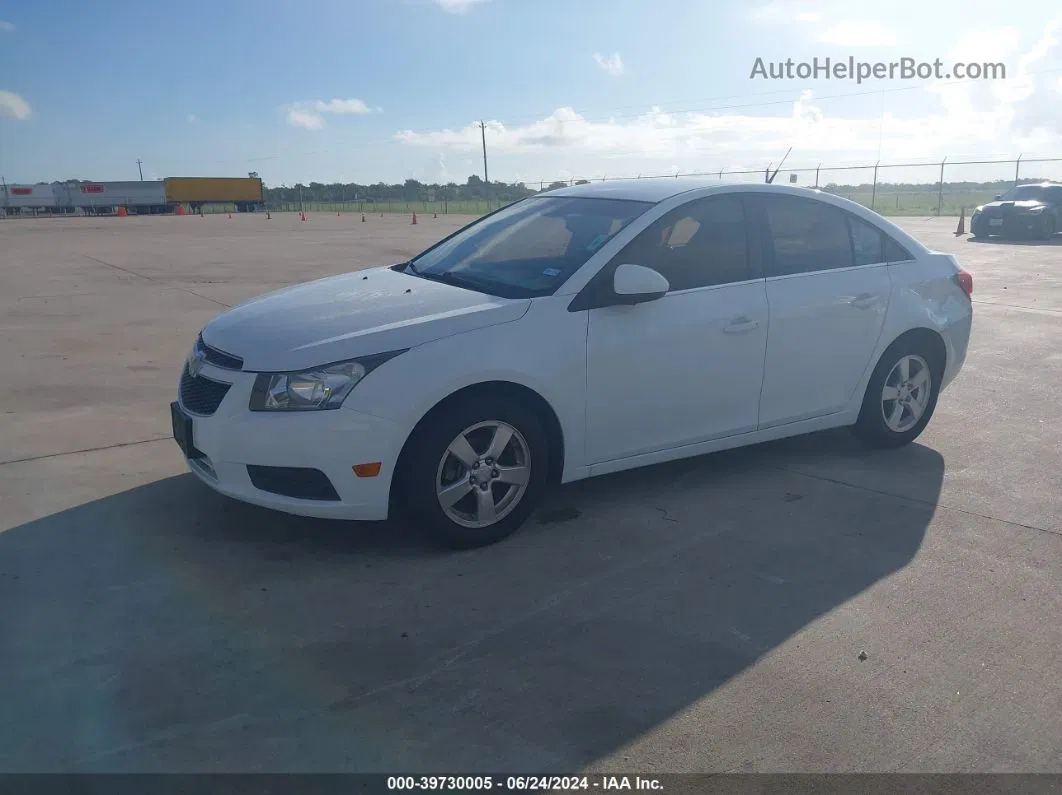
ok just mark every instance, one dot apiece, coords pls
pixel 201 395
pixel 218 358
pixel 297 482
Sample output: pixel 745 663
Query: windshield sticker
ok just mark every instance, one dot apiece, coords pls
pixel 551 272
pixel 597 242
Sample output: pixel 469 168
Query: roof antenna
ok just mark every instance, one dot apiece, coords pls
pixel 771 175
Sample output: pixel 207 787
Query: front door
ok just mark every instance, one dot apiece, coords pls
pixel 687 367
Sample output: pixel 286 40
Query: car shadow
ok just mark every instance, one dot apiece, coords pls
pixel 167 629
pixel 1009 241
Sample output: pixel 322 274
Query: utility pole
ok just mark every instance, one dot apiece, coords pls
pixel 139 165
pixel 486 179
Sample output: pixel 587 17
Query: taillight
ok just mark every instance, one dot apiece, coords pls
pixel 965 281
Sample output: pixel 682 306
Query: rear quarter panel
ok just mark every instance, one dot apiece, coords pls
pixel 925 295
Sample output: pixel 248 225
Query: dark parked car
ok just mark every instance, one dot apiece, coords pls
pixel 1024 210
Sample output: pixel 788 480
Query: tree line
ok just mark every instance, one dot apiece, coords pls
pixel 474 188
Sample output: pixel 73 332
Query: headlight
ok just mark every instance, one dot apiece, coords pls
pixel 324 387
pixel 977 210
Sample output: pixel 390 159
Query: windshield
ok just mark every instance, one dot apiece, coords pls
pixel 1025 193
pixel 529 248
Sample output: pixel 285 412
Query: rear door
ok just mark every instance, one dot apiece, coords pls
pixel 828 290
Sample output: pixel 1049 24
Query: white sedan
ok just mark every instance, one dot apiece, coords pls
pixel 579 332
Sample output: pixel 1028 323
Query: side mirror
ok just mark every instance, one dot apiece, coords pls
pixel 636 284
pixel 997 197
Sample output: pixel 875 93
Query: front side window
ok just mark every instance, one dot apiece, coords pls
pixel 699 244
pixel 808 235
pixel 529 248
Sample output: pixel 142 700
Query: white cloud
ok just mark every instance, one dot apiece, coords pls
pixel 612 64
pixel 458 6
pixel 858 33
pixel 11 104
pixel 841 31
pixel 305 119
pixel 341 106
pixel 193 119
pixel 661 135
pixel 780 12
pixel 6 27
pixel 308 113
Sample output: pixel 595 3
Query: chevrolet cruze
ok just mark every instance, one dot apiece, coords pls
pixel 579 332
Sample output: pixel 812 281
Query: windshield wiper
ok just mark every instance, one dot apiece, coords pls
pixel 456 280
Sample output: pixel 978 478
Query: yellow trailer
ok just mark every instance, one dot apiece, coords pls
pixel 242 191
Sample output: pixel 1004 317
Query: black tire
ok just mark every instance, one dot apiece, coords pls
pixel 426 468
pixel 872 426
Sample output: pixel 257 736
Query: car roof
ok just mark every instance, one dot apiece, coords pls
pixel 653 189
pixel 658 189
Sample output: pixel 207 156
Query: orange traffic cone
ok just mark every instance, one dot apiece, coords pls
pixel 414 219
pixel 961 228
pixel 180 209
pixel 302 216
pixel 122 212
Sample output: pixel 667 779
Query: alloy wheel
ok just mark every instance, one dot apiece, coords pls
pixel 906 393
pixel 483 474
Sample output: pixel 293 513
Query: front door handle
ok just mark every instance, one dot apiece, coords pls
pixel 741 325
pixel 864 301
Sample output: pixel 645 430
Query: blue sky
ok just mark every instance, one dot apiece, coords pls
pixel 369 90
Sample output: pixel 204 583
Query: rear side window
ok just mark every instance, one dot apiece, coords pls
pixel 868 243
pixel 807 235
pixel 894 252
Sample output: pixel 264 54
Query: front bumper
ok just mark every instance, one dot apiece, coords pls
pixel 333 441
pixel 1011 225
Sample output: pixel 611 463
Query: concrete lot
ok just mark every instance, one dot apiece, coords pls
pixel 700 616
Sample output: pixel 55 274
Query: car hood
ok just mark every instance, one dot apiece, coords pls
pixel 1027 204
pixel 356 314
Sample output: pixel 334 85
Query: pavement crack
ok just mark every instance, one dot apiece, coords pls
pixel 153 280
pixel 86 450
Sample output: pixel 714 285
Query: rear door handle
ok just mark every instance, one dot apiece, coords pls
pixel 864 301
pixel 741 325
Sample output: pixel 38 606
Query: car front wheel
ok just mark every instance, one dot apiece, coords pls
pixel 900 397
pixel 1047 228
pixel 476 471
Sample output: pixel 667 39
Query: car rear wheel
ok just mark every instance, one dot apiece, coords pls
pixel 901 396
pixel 476 471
